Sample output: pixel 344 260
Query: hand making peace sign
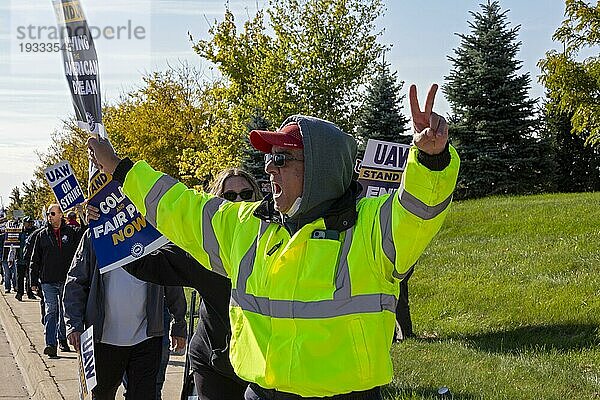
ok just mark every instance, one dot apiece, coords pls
pixel 430 129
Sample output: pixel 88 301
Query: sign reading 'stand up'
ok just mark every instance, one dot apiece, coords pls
pixel 12 231
pixel 382 166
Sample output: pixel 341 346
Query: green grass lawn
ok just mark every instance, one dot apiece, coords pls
pixel 505 303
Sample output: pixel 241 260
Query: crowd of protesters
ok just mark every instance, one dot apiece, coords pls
pixel 294 271
pixel 38 264
pixel 45 264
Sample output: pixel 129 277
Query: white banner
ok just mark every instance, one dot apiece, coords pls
pixel 386 155
pixel 64 184
pixel 382 166
pixel 87 364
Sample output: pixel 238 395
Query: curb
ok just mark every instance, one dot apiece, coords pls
pixel 40 383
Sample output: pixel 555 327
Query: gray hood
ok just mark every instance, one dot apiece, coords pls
pixel 329 156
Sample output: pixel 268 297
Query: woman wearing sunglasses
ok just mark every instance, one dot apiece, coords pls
pixel 214 377
pixel 235 184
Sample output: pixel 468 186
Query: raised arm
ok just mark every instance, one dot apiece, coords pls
pixel 171 266
pixel 410 219
pixel 199 223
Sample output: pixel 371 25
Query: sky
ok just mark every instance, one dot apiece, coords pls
pixel 34 98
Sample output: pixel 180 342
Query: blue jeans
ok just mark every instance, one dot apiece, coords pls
pixel 10 275
pixel 54 323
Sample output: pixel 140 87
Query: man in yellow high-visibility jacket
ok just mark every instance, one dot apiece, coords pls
pixel 314 271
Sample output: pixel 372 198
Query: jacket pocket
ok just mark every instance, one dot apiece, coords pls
pixel 360 349
pixel 316 278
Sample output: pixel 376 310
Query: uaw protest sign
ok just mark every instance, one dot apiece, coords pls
pixel 63 182
pixel 121 234
pixel 87 364
pixel 382 166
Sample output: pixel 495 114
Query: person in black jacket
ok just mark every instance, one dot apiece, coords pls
pixel 27 253
pixel 23 282
pixel 208 352
pixel 51 257
pixel 127 316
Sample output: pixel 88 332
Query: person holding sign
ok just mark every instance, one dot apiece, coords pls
pixel 314 272
pixel 10 272
pixel 10 249
pixel 214 377
pixel 127 316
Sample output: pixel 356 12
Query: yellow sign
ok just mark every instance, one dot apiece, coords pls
pixel 97 182
pixel 71 12
pixel 380 175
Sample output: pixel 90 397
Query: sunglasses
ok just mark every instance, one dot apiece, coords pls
pixel 244 195
pixel 279 159
pixel 53 213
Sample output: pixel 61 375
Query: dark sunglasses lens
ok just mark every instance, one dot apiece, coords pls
pixel 52 213
pixel 279 160
pixel 230 196
pixel 246 194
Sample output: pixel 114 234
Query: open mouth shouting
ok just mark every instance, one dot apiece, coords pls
pixel 276 189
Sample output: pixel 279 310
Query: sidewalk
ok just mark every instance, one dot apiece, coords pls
pixel 47 379
pixel 13 385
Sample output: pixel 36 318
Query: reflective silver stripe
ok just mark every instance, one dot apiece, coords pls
pixel 385 223
pixel 161 186
pixel 342 280
pixel 398 275
pixel 364 303
pixel 263 228
pixel 209 238
pixel 420 209
pixel 343 302
pixel 247 264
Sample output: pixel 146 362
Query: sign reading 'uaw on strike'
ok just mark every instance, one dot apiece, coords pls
pixel 87 364
pixel 61 179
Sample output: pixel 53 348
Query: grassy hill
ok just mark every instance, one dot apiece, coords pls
pixel 506 303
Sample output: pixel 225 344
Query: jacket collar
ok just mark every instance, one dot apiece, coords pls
pixel 51 229
pixel 339 216
pixel 266 211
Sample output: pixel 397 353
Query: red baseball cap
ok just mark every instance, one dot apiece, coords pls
pixel 289 136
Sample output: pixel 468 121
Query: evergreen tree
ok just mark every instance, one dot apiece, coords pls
pixel 380 116
pixel 253 160
pixel 494 118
